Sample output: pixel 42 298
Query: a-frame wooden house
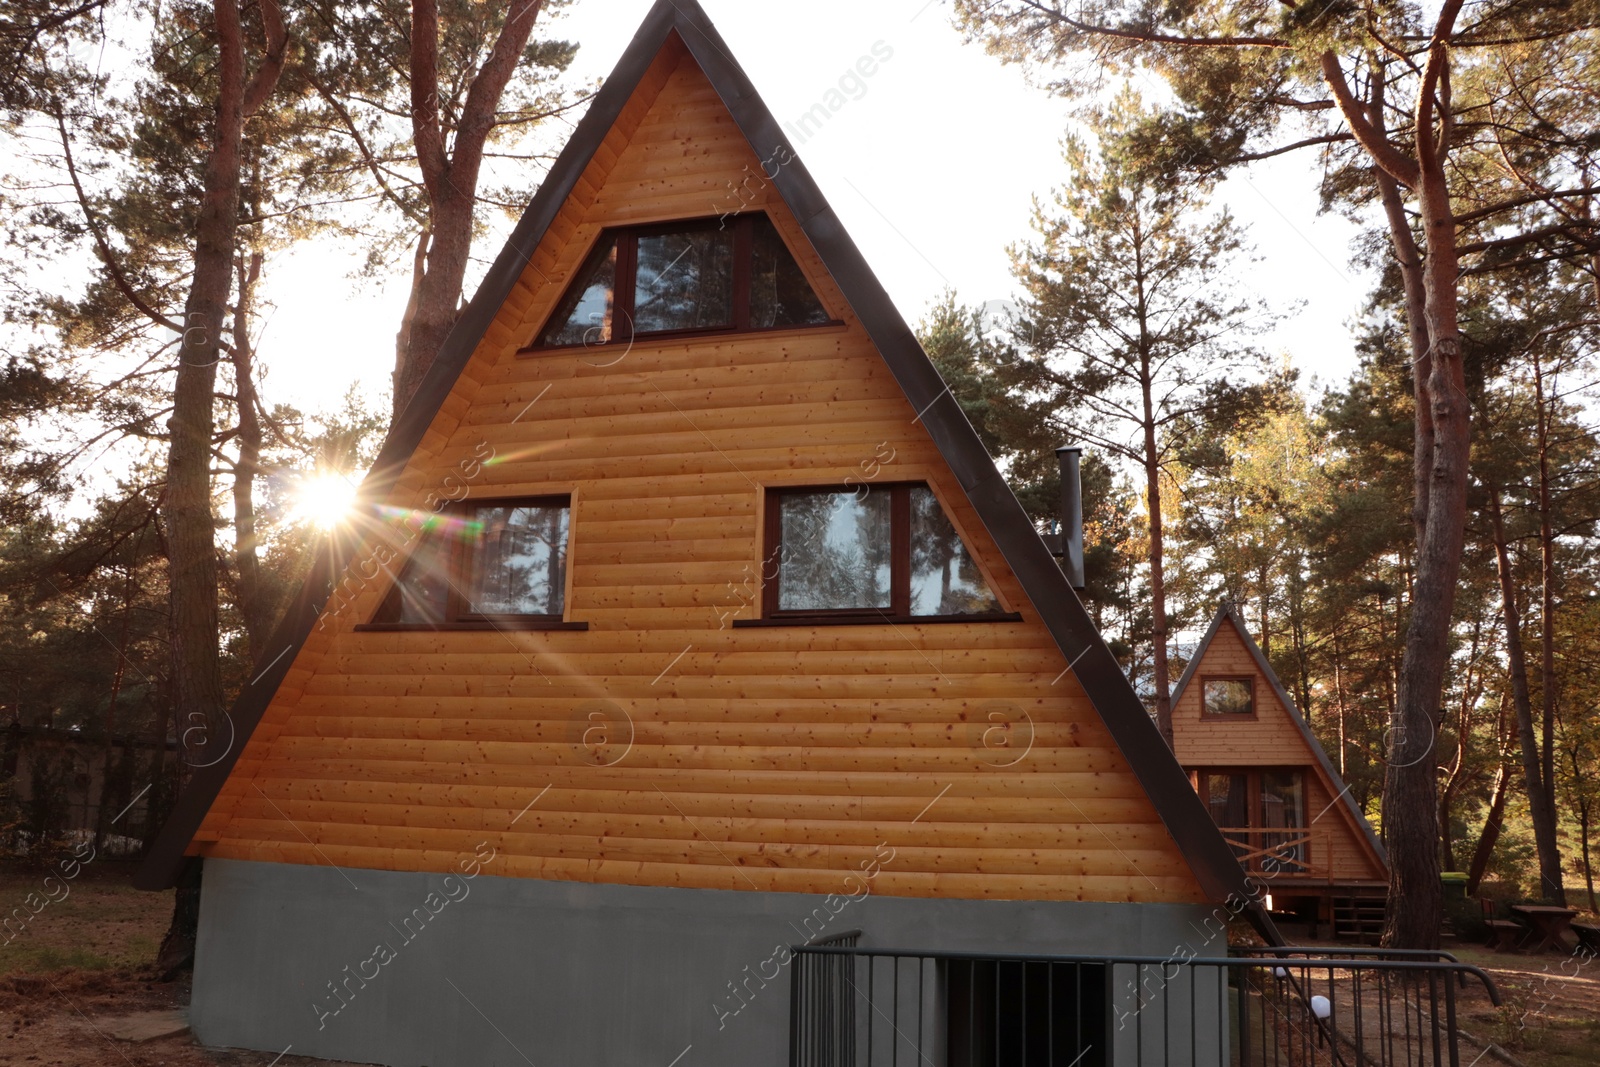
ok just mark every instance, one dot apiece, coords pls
pixel 686 619
pixel 1271 788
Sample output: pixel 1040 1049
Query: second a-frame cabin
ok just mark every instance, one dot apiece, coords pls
pixel 686 621
pixel 1271 788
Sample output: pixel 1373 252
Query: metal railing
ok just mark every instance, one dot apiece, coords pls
pixel 856 1007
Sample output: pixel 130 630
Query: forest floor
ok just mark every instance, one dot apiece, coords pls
pixel 1548 1016
pixel 86 959
pixel 1550 1006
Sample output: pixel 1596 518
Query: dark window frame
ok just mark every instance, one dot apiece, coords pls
pixel 459 560
pixel 1229 716
pixel 899 610
pixel 625 279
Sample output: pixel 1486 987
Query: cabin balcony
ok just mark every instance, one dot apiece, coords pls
pixel 856 1007
pixel 1293 854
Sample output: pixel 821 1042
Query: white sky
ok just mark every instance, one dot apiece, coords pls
pixel 932 170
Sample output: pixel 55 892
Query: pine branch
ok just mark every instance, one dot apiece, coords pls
pixel 107 256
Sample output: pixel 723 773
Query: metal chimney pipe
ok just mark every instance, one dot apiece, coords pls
pixel 1071 513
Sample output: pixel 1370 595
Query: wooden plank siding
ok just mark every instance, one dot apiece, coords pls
pixel 771 758
pixel 1271 739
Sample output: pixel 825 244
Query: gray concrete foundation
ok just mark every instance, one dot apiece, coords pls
pixel 424 970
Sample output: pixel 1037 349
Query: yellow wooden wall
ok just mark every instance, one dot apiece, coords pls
pixel 1271 739
pixel 762 758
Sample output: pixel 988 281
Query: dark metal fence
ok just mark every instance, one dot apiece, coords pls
pixel 855 1007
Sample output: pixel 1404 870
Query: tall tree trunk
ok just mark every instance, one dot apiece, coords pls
pixel 1262 578
pixel 1158 585
pixel 450 179
pixel 191 525
pixel 190 522
pixel 1585 807
pixel 1540 809
pixel 1552 885
pixel 107 792
pixel 1588 867
pixel 1492 825
pixel 1297 635
pixel 1454 778
pixel 186 505
pixel 1338 692
pixel 1442 450
pixel 245 549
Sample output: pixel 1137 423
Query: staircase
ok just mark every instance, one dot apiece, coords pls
pixel 1358 915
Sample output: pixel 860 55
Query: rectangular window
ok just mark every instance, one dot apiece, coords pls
pixel 876 552
pixel 701 276
pixel 836 552
pixel 519 564
pixel 1228 797
pixel 1229 697
pixel 1283 809
pixel 481 565
pixel 684 280
pixel 1261 813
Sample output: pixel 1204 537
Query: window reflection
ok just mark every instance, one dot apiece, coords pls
pixel 836 552
pixel 423 591
pixel 505 559
pixel 684 281
pixel 779 292
pixel 1282 808
pixel 520 564
pixel 710 274
pixel 584 317
pixel 1228 696
pixel 945 580
pixel 887 549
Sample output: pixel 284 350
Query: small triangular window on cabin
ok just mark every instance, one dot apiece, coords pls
pixel 703 276
pixel 885 551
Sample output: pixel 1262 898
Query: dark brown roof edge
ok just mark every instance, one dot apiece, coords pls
pixel 1227 613
pixel 1113 697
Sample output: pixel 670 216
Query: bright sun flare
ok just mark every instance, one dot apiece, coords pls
pixel 324 499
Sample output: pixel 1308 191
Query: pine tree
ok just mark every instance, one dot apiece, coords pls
pixel 1134 331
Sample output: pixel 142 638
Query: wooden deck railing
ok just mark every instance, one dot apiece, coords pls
pixel 1294 851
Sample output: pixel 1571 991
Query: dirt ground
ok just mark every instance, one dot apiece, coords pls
pixel 88 956
pixel 1549 1014
pixel 84 958
pixel 1550 1006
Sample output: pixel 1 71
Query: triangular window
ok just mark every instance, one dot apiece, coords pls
pixel 704 276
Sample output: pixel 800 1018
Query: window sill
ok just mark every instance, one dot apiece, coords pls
pixel 874 620
pixel 469 626
pixel 675 336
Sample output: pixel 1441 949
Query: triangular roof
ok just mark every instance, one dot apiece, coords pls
pixel 1330 773
pixel 1110 692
